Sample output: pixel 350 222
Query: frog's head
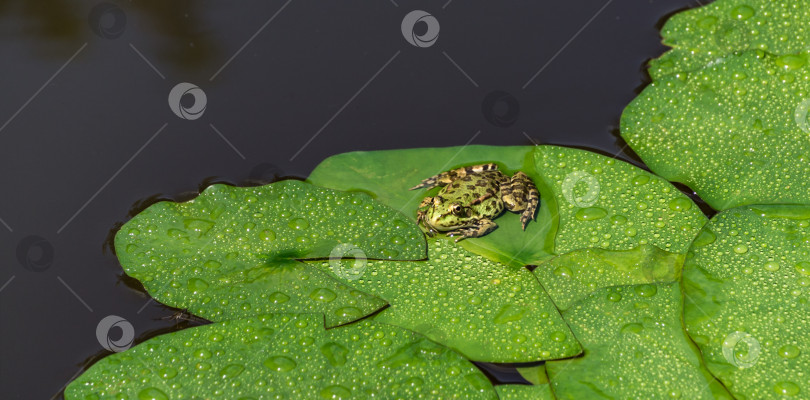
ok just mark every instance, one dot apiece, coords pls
pixel 444 215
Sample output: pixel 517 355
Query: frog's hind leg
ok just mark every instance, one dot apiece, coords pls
pixel 479 228
pixel 445 178
pixel 520 194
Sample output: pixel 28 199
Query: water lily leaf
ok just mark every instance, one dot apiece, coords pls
pixel 388 176
pixel 736 133
pixel 706 35
pixel 746 285
pixel 536 375
pixel 231 252
pixel 573 276
pixel 635 348
pixel 524 392
pixel 286 357
pixel 486 311
pixel 610 204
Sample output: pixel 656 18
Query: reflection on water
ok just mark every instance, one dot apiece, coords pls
pixel 176 27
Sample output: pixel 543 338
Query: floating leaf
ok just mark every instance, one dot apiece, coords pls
pixel 635 348
pixel 230 253
pixel 746 285
pixel 536 375
pixel 388 175
pixel 287 357
pixel 610 204
pixel 484 310
pixel 737 133
pixel 524 392
pixel 573 276
pixel 706 35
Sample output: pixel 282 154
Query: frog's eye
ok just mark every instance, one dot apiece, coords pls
pixel 455 208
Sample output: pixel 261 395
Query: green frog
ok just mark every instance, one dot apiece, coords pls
pixel 471 197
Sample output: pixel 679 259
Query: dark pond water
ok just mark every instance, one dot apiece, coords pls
pixel 87 134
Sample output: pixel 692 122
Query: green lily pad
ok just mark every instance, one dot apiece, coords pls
pixel 736 133
pixel 746 285
pixel 536 375
pixel 635 348
pixel 524 392
pixel 573 276
pixel 484 310
pixel 388 176
pixel 706 35
pixel 610 204
pixel 286 357
pixel 231 252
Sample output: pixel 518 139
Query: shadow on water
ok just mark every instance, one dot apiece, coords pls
pixel 181 37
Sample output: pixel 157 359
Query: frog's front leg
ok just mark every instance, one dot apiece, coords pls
pixel 520 194
pixel 421 212
pixel 479 228
pixel 446 178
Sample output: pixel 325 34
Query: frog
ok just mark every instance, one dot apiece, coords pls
pixel 471 197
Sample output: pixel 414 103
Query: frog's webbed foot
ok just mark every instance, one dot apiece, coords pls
pixel 480 228
pixel 445 178
pixel 520 194
pixel 420 216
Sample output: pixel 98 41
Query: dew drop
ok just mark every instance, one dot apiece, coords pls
pixel 641 180
pixel 279 364
pixel 322 294
pixel 632 327
pixel 558 336
pixel 645 290
pixel 267 235
pixel 803 268
pixel 786 388
pixel 151 393
pixel 742 12
pixel 298 223
pixel 563 271
pixel 335 354
pixel 789 351
pixel 615 297
pixel 772 266
pixel 335 392
pixel 197 285
pixel 278 298
pixel 231 371
pixel 350 312
pixel 740 249
pixel 590 213
pixel 212 264
pixel 167 372
pixel 680 204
